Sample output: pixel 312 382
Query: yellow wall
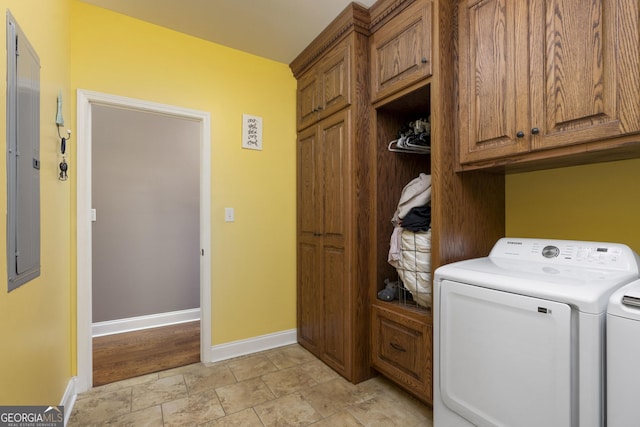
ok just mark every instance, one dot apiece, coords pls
pixel 35 319
pixel 253 259
pixel 599 202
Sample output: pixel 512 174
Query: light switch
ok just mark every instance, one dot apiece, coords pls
pixel 93 215
pixel 229 215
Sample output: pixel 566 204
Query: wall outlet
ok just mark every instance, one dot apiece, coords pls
pixel 229 215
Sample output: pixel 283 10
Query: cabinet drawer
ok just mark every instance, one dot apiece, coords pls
pixel 401 50
pixel 402 349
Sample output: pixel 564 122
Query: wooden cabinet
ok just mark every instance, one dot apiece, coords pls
pixel 402 348
pixel 539 75
pixel 325 89
pixel 323 217
pixel 334 195
pixel 349 184
pixel 467 210
pixel 401 49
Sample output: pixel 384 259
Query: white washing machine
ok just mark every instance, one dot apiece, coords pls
pixel 623 355
pixel 519 335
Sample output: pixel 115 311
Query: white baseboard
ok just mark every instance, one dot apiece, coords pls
pixel 252 345
pixel 119 326
pixel 69 399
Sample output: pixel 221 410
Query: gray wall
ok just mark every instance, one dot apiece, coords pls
pixel 145 189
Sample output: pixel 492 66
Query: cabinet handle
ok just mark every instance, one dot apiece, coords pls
pixel 318 109
pixel 535 131
pixel 520 134
pixel 424 60
pixel 397 347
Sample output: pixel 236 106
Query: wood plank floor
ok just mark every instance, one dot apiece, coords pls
pixel 127 355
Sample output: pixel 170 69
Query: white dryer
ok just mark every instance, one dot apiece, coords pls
pixel 519 336
pixel 623 354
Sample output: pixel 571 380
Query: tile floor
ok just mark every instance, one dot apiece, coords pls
pixel 286 386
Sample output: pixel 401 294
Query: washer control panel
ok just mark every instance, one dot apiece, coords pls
pixel 614 256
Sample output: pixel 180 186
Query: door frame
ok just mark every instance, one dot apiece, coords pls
pixel 83 260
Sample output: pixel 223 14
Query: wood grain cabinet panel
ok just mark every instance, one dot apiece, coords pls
pixel 401 50
pixel 541 74
pixel 323 265
pixel 333 196
pixel 467 210
pixel 402 349
pixel 326 88
pixel 493 79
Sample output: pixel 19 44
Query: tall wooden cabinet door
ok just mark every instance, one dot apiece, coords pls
pixel 308 184
pixel 309 248
pixel 308 99
pixel 334 135
pixel 336 300
pixel 585 70
pixel 401 50
pixel 493 79
pixel 310 295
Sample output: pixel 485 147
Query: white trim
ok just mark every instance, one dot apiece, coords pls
pixel 252 345
pixel 83 217
pixel 69 399
pixel 139 323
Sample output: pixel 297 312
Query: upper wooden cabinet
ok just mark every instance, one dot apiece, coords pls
pixel 401 50
pixel 541 74
pixel 325 88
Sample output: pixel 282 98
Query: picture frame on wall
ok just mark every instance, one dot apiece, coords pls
pixel 251 132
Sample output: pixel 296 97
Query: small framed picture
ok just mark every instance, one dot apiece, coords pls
pixel 251 132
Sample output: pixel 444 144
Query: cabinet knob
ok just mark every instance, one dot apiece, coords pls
pixel 520 134
pixel 535 131
pixel 424 60
pixel 318 109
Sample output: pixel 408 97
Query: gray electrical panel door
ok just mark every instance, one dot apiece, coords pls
pixel 23 158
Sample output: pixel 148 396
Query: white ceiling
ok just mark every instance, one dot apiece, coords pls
pixel 273 29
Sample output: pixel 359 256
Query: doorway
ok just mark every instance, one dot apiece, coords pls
pixel 86 103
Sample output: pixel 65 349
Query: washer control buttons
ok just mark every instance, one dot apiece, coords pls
pixel 550 252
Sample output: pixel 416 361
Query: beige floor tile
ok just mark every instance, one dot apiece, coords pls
pixel 291 410
pixel 148 417
pixel 243 395
pixel 246 418
pixel 205 378
pixel 383 411
pixel 100 407
pixel 251 367
pixel 320 372
pixel 340 419
pixel 381 385
pixel 119 385
pixel 181 370
pixel 281 387
pixel 288 381
pixel 193 410
pixel 332 396
pixel 157 392
pixel 291 355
